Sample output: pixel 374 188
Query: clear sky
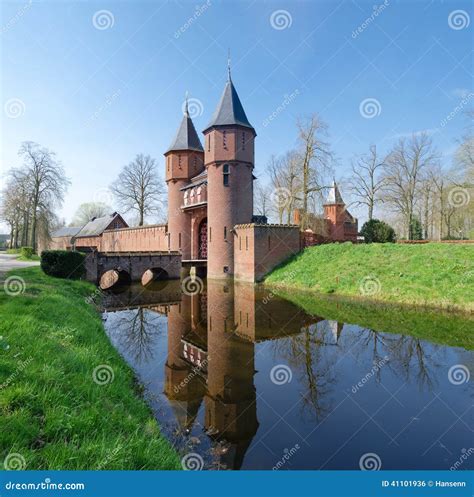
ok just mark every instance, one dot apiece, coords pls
pixel 99 87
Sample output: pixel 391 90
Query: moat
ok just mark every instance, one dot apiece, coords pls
pixel 248 380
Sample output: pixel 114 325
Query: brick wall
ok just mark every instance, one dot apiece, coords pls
pixel 139 239
pixel 259 248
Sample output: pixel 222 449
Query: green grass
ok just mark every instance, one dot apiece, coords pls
pixel 445 328
pixel 34 257
pixel 13 251
pixel 431 275
pixel 52 412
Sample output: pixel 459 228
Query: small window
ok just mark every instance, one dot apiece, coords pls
pixel 269 243
pixel 246 243
pixel 226 269
pixel 179 240
pixel 243 141
pixel 225 232
pixel 168 163
pixel 210 234
pixel 179 161
pixel 226 174
pixel 224 137
pixel 195 163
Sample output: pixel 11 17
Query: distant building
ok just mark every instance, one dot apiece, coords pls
pixel 337 224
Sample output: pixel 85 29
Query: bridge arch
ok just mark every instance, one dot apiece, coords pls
pixel 114 277
pixel 154 274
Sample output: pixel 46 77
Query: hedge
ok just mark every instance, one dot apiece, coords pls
pixel 63 263
pixel 27 252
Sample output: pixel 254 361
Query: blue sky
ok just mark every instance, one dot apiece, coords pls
pixel 100 96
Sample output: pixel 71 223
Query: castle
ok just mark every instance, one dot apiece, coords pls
pixel 210 206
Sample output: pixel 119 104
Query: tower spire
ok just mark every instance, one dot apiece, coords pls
pixel 186 109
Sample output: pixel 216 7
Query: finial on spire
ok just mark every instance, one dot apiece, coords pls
pixel 228 65
pixel 186 110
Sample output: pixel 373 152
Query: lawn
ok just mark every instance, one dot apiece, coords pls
pixel 431 275
pixel 57 410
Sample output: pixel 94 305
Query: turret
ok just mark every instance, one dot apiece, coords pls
pixel 184 159
pixel 229 160
pixel 335 212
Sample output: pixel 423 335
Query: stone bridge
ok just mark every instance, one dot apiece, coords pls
pixel 107 268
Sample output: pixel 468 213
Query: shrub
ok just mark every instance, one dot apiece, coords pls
pixel 375 231
pixel 63 263
pixel 27 252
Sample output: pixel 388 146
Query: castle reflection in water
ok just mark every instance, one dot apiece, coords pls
pixel 211 352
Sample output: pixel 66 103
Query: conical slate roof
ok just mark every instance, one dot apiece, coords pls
pixel 230 110
pixel 334 196
pixel 186 138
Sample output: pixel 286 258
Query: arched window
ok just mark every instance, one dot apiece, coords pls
pixel 226 174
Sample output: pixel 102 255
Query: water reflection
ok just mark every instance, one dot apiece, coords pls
pixel 206 363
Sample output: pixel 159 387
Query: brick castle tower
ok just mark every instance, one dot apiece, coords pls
pixel 229 160
pixel 184 159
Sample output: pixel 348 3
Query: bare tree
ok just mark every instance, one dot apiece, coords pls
pixel 403 173
pixel 138 187
pixel 315 157
pixel 34 191
pixel 85 212
pixel 366 182
pixel 262 199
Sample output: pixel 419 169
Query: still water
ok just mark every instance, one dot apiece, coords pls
pixel 248 380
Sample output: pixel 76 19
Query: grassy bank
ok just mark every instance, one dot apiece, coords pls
pixel 444 328
pixel 432 275
pixel 55 412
